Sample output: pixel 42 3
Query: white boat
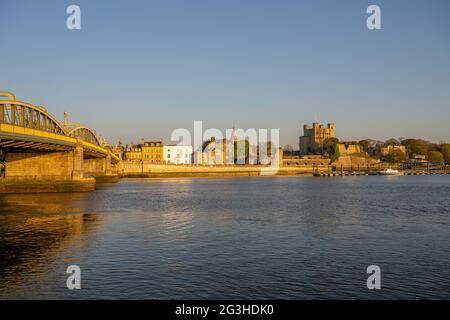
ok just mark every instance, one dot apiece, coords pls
pixel 389 172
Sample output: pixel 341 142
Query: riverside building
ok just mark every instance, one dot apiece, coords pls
pixel 147 151
pixel 175 154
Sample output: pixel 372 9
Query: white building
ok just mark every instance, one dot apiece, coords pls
pixel 177 154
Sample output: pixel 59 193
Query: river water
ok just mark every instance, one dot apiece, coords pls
pixel 230 238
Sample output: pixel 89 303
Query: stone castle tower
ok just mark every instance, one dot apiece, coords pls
pixel 313 137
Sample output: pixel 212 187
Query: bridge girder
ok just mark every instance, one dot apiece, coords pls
pixel 25 115
pixel 23 126
pixel 84 133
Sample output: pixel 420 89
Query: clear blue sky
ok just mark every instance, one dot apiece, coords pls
pixel 143 68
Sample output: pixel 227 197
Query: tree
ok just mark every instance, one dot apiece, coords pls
pixel 416 146
pixel 372 147
pixel 433 147
pixel 264 145
pixel 364 144
pixel 328 145
pixel 435 156
pixel 391 142
pixel 329 142
pixel 269 148
pixel 335 153
pixel 395 156
pixel 445 150
pixel 241 147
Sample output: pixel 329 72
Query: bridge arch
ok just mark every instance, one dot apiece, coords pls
pixel 25 115
pixel 108 147
pixel 85 134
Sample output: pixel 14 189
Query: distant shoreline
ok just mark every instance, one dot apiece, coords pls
pixel 218 173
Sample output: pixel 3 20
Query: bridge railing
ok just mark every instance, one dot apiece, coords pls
pixel 28 116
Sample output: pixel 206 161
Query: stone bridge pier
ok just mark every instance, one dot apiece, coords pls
pixel 100 169
pixel 54 171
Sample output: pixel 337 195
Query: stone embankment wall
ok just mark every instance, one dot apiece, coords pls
pixel 130 169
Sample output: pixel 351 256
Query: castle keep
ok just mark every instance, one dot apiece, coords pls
pixel 313 137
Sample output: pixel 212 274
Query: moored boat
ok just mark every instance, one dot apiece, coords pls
pixel 389 172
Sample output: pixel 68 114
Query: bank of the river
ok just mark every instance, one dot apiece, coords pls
pixel 43 186
pixel 162 171
pixel 165 171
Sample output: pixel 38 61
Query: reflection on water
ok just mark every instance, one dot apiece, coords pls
pixel 33 229
pixel 249 237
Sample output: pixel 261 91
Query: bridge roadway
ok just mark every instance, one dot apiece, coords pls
pixel 35 149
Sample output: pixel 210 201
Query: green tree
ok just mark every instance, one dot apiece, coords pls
pixel 391 142
pixel 416 146
pixel 335 155
pixel 435 156
pixel 328 145
pixel 365 144
pixel 445 150
pixel 242 146
pixel 268 147
pixel 330 142
pixel 395 156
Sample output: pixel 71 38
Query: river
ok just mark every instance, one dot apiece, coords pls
pixel 231 238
